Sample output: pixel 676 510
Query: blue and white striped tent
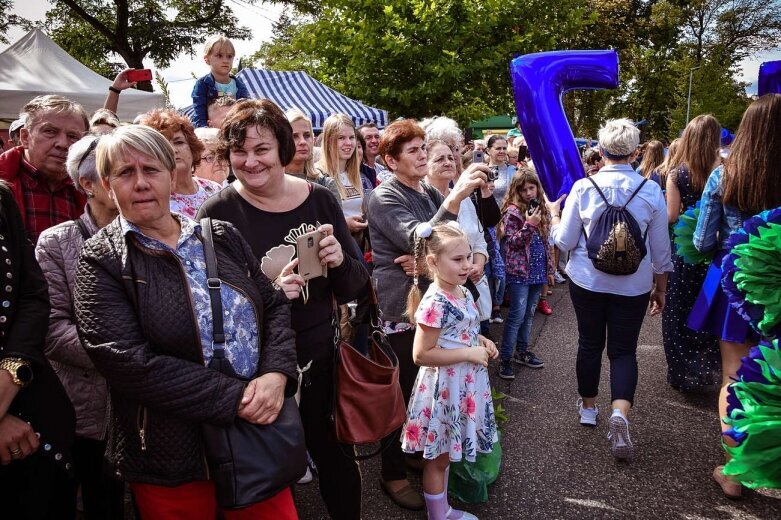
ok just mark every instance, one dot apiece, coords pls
pixel 298 90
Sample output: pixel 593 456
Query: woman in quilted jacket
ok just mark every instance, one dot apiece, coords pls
pixel 144 314
pixel 528 258
pixel 58 253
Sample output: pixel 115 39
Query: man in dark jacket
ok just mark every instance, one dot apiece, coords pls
pixel 37 421
pixel 35 170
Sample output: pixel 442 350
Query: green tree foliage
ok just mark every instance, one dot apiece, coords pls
pixel 422 57
pixel 95 30
pixel 8 19
pixel 659 42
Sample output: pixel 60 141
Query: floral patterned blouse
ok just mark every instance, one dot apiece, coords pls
pixel 239 321
pixel 188 205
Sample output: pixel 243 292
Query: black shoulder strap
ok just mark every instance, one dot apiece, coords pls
pixel 598 190
pixel 634 193
pixel 83 229
pixel 214 284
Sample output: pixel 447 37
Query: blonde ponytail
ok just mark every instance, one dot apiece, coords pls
pixel 413 297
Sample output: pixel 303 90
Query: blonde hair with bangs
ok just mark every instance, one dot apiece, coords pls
pixel 217 43
pixel 133 139
pixel 329 163
pixel 292 116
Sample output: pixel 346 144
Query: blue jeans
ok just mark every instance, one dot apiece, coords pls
pixel 496 284
pixel 518 325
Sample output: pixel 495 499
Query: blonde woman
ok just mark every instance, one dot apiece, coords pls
pixel 341 163
pixel 302 165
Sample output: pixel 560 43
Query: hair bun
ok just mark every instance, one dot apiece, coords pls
pixel 424 230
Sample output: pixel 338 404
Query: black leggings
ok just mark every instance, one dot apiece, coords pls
pixel 338 473
pixel 393 466
pixel 102 495
pixel 615 318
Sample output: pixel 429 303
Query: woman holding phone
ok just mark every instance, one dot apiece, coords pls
pixel 272 211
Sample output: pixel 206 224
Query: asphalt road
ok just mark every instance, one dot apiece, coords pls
pixel 553 468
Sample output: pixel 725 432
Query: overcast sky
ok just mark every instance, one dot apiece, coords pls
pixel 260 18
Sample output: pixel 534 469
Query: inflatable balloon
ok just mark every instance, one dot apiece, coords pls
pixel 770 78
pixel 539 82
pixel 726 137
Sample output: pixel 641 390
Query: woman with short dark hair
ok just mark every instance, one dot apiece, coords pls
pixel 271 209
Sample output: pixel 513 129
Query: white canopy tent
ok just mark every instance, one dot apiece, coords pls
pixel 35 66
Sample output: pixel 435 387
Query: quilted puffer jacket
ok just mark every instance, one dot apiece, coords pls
pixel 136 321
pixel 57 253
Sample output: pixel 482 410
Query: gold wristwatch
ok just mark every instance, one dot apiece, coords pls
pixel 20 370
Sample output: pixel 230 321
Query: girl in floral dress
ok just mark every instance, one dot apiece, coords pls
pixel 450 414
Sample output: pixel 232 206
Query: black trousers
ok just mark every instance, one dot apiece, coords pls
pixel 393 467
pixel 617 319
pixel 36 488
pixel 339 476
pixel 102 495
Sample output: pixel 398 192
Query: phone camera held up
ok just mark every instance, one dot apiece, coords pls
pixel 533 204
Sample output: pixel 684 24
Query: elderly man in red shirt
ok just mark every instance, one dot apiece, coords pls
pixel 35 170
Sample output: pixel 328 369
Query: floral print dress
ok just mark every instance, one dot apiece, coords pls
pixel 450 410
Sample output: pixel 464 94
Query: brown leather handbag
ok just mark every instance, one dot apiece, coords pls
pixel 368 404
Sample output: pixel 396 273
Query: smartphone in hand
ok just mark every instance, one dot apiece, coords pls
pixel 308 252
pixel 139 75
pixel 533 204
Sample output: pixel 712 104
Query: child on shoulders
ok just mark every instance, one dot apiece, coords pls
pixel 218 54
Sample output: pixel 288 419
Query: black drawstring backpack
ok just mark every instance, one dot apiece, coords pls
pixel 616 245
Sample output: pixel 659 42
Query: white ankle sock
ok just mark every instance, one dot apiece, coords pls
pixel 436 505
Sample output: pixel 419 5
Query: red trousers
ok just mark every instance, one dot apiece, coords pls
pixel 196 501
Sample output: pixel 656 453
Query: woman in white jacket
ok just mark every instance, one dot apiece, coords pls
pixel 442 170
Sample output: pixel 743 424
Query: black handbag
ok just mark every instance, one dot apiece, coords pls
pixel 248 463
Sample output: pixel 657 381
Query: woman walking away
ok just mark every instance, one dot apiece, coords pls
pixel 528 259
pixel 747 184
pixel 652 158
pixel 450 415
pixel 692 357
pixel 612 306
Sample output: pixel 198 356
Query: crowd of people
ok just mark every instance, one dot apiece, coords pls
pixel 108 327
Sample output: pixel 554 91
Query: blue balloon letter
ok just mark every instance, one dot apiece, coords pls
pixel 770 78
pixel 539 83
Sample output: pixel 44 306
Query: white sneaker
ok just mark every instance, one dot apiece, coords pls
pixel 558 278
pixel 588 416
pixel 455 514
pixel 621 447
pixel 307 478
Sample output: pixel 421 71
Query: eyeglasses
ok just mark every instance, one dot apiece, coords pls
pixel 90 149
pixel 210 159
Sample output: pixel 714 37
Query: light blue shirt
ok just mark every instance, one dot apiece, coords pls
pixel 239 320
pixel 584 206
pixel 227 89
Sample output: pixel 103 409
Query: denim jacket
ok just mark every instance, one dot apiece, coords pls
pixel 205 90
pixel 518 234
pixel 717 221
